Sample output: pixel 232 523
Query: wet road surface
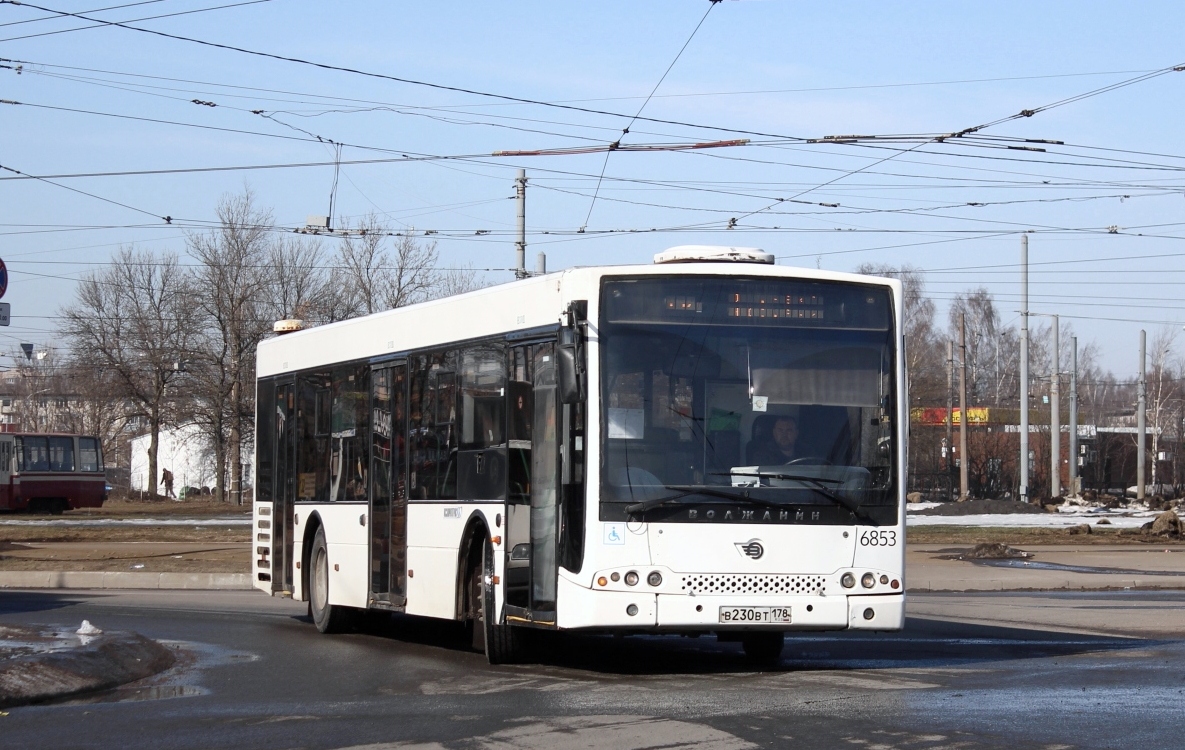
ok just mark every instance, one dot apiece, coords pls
pixel 966 673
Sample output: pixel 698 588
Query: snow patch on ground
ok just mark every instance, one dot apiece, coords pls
pixel 1063 519
pixel 132 522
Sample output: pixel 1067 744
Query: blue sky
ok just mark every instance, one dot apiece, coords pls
pixel 780 69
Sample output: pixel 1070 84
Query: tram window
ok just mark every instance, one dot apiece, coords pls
pixel 88 455
pixel 34 455
pixel 61 454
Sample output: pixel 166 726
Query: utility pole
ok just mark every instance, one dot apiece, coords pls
pixel 1024 368
pixel 1055 420
pixel 1141 419
pixel 1075 480
pixel 520 247
pixel 964 469
pixel 950 408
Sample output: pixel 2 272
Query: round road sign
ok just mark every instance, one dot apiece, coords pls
pixel 3 278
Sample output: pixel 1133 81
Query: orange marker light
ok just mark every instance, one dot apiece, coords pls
pixel 602 581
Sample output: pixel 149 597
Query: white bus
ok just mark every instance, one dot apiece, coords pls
pixel 709 444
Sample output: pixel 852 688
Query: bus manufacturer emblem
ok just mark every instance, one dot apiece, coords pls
pixel 751 548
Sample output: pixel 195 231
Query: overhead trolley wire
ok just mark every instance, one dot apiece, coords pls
pixel 132 20
pixel 399 79
pixel 625 131
pixel 93 10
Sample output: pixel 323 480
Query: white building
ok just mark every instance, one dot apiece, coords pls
pixel 188 452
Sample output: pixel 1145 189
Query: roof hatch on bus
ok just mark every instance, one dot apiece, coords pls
pixel 713 254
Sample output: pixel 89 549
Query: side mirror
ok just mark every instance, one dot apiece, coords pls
pixel 568 375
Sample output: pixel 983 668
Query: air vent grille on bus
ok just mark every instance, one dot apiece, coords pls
pixel 753 584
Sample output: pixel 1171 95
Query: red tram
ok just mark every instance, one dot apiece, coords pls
pixel 51 472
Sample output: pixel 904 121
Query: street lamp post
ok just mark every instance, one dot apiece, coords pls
pixel 1055 428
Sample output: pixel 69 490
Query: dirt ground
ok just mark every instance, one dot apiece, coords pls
pixel 125 506
pixel 206 547
pixel 973 535
pixel 136 557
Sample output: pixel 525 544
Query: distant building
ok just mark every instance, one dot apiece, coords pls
pixel 188 452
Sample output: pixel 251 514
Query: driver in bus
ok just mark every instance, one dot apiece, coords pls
pixel 780 448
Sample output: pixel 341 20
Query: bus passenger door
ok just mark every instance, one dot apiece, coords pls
pixel 516 573
pixel 284 486
pixel 534 474
pixel 388 488
pixel 545 484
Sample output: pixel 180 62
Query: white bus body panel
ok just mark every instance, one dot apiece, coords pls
pixel 261 545
pixel 348 548
pixel 434 536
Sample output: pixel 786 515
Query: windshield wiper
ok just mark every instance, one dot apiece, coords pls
pixel 818 484
pixel 690 489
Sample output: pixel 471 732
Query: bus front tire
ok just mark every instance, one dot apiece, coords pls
pixel 503 644
pixel 763 648
pixel 329 618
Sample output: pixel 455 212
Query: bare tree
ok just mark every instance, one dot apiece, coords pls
pixel 233 278
pixel 297 283
pixel 923 360
pixel 1163 396
pixel 458 280
pixel 135 318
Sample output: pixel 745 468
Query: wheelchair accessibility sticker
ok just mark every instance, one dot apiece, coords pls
pixel 615 533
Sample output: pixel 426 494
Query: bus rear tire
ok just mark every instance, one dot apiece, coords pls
pixel 503 644
pixel 763 648
pixel 329 618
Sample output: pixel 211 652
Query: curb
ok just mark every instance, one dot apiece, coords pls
pixel 105 661
pixel 36 579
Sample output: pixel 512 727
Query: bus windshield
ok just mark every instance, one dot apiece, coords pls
pixel 765 392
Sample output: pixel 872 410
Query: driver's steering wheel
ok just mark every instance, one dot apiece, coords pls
pixel 814 460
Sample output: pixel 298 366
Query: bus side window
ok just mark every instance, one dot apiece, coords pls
pixel 431 427
pixel 350 432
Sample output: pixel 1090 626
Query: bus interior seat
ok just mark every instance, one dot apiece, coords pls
pixel 724 450
pixel 825 431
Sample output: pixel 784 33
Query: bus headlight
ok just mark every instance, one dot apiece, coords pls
pixel 848 580
pixel 868 580
pixel 655 578
pixel 631 578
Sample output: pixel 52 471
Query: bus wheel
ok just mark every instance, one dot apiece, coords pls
pixel 329 618
pixel 763 648
pixel 503 644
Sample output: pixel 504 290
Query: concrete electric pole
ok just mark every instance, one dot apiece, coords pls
pixel 520 247
pixel 950 411
pixel 1075 480
pixel 1142 419
pixel 1055 420
pixel 964 469
pixel 1024 368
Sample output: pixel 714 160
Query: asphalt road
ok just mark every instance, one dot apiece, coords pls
pixel 254 673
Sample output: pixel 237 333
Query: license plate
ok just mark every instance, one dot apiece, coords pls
pixel 757 615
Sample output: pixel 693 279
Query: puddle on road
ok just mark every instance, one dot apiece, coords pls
pixel 182 680
pixel 1035 565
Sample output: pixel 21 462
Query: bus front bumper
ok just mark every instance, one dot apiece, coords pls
pixel 580 607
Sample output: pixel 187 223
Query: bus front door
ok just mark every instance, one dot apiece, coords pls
pixel 531 507
pixel 388 488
